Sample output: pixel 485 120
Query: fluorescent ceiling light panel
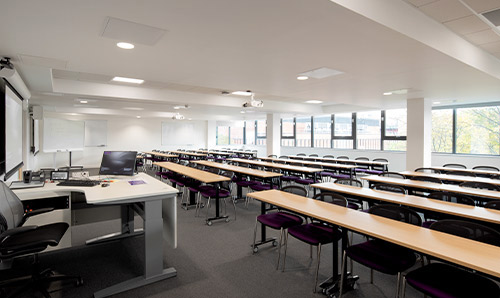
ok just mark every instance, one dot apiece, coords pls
pixel 138 117
pixel 320 73
pixel 128 80
pixel 125 45
pixel 133 32
pixel 242 93
pixel 314 101
pixel 302 78
pixel 84 101
pixel 133 109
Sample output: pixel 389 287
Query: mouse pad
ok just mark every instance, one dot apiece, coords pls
pixel 136 182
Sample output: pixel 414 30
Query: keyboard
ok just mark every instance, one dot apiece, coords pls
pixel 79 183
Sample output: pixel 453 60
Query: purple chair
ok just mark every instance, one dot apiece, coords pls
pixel 351 203
pixel 443 280
pixel 377 169
pixel 362 168
pixel 380 255
pixel 225 191
pixel 280 220
pixel 448 197
pixel 317 233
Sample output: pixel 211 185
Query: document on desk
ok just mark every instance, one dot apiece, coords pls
pixel 136 182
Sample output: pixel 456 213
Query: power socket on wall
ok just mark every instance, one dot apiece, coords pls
pixel 82 174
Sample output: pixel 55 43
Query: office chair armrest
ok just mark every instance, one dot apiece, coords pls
pixel 15 231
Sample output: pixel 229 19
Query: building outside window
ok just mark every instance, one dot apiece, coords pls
pixel 368 130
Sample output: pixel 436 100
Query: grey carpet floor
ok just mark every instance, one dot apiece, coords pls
pixel 211 261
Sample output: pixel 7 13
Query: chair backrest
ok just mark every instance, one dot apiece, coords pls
pixel 486 168
pixel 467 229
pixel 348 181
pixel 313 155
pixel 480 185
pixel 392 175
pixel 461 173
pixel 454 165
pixel 295 189
pixel 332 198
pixel 493 205
pixel 283 157
pixel 362 166
pixel 428 170
pixel 362 158
pixel 11 209
pixel 213 170
pixel 452 197
pixel 273 156
pixel 389 187
pixel 342 157
pixel 398 213
pixel 427 179
pixel 328 156
pixel 227 184
pixel 379 167
pixel 301 154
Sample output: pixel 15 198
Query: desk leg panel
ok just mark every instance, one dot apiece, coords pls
pixel 153 238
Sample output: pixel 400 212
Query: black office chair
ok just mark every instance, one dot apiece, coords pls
pixel 18 240
pixel 493 205
pixel 428 170
pixel 461 173
pixel 454 165
pixel 480 185
pixel 392 175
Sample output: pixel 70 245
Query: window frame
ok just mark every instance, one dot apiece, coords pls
pixel 352 137
pixel 257 133
pixel 288 137
pixel 383 137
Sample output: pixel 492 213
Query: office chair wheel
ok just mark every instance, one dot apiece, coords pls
pixel 209 222
pixel 256 249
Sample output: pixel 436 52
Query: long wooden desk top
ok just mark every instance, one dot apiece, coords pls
pixel 306 162
pixel 471 254
pixel 490 194
pixel 457 178
pixel 466 211
pixel 203 176
pixel 483 172
pixel 188 153
pixel 276 165
pixel 237 169
pixel 160 154
pixel 214 152
pixel 368 162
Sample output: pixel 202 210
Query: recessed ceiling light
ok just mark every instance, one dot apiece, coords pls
pixel 133 109
pixel 84 101
pixel 128 80
pixel 74 114
pixel 138 116
pixel 387 93
pixel 176 107
pixel 314 101
pixel 242 93
pixel 125 45
pixel 302 78
pixel 242 112
pixel 436 103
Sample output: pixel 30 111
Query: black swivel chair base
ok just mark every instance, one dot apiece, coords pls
pixel 38 282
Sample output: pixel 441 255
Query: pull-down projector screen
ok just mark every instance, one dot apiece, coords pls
pixel 13 132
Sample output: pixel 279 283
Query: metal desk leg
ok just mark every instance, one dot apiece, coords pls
pixel 217 207
pixel 153 258
pixel 127 219
pixel 263 239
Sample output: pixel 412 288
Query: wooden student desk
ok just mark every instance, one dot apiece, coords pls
pixel 452 178
pixel 156 202
pixel 464 252
pixel 324 165
pixel 214 153
pixel 166 155
pixel 416 202
pixel 422 185
pixel 344 161
pixel 479 172
pixel 192 154
pixel 202 176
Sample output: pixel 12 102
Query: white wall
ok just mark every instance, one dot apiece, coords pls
pixel 123 134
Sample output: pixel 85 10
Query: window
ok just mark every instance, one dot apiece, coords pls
pixel 261 132
pixel 478 130
pixel 342 131
pixel 322 131
pixel 442 130
pixel 222 135
pixel 303 131
pixel 236 133
pixel 250 132
pixel 394 133
pixel 368 130
pixel 287 132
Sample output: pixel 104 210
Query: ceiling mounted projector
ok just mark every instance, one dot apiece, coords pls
pixel 253 103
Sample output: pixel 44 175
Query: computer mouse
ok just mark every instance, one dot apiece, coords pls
pixel 105 185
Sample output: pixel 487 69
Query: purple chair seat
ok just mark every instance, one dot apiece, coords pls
pixel 307 181
pixel 289 178
pixel 382 256
pixel 244 183
pixel 261 187
pixel 341 176
pixel 327 173
pixel 353 206
pixel 444 281
pixel 315 233
pixel 374 172
pixel 361 170
pixel 427 224
pixel 211 193
pixel 278 220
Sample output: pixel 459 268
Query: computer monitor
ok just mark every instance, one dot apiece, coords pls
pixel 118 163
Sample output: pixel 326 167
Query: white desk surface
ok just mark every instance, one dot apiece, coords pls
pixel 448 177
pixel 118 191
pixel 468 253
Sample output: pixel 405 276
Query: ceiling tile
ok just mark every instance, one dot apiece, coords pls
pixel 467 25
pixel 445 10
pixel 419 3
pixel 482 37
pixel 481 6
pixel 123 30
pixel 492 47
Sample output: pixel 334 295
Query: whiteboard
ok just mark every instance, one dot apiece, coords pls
pixel 181 133
pixel 13 131
pixel 62 135
pixel 96 133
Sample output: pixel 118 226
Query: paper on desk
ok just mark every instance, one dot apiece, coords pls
pixel 136 182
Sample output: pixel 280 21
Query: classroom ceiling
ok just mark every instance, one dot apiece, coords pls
pixel 189 52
